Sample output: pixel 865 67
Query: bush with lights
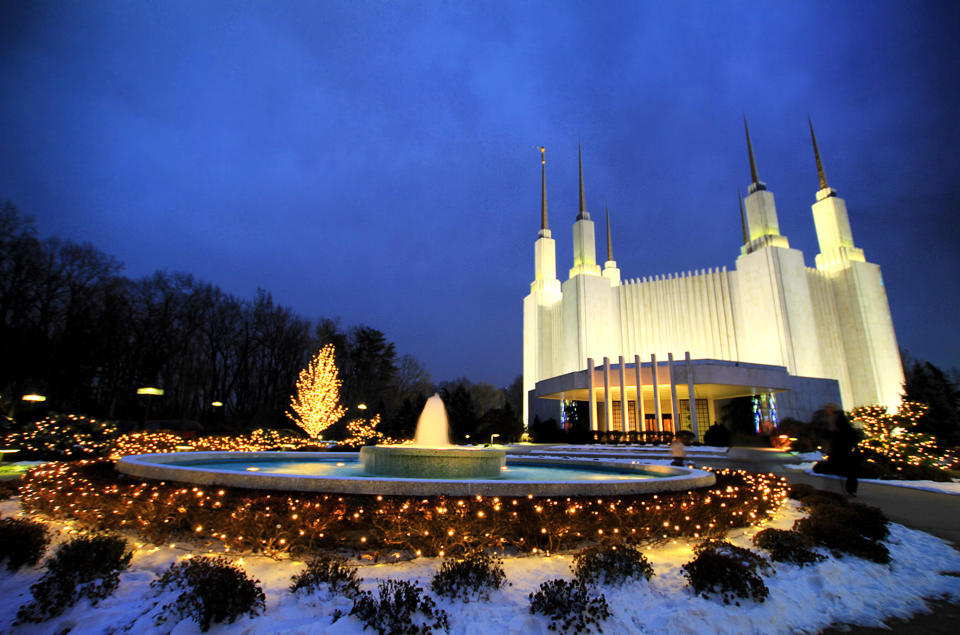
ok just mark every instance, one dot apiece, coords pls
pixel 86 567
pixel 164 442
pixel 63 437
pixel 390 527
pixel 211 590
pixel 729 571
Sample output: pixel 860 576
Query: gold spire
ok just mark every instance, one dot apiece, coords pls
pixel 816 153
pixel 753 164
pixel 583 201
pixel 609 242
pixel 743 220
pixel 543 189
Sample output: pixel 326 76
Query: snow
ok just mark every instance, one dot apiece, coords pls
pixel 806 599
pixel 930 486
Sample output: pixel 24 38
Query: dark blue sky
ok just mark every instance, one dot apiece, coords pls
pixel 376 160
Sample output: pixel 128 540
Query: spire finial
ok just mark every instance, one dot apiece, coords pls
pixel 816 153
pixel 543 189
pixel 753 164
pixel 743 220
pixel 609 242
pixel 583 200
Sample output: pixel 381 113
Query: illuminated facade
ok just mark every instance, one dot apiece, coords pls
pixel 793 335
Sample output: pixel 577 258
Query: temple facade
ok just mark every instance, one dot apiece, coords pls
pixel 794 337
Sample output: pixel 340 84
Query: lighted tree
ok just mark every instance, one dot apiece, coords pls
pixel 895 440
pixel 316 406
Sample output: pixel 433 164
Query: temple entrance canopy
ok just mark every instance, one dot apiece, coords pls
pixel 689 393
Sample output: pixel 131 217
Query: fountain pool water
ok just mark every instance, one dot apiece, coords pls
pixel 432 467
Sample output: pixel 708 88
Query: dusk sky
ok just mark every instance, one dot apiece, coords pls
pixel 377 162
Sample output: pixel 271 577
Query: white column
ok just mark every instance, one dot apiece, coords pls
pixel 624 409
pixel 607 404
pixel 656 392
pixel 673 394
pixel 593 395
pixel 693 400
pixel 640 419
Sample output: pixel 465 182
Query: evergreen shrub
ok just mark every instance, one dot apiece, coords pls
pixel 612 564
pixel 787 546
pixel 22 542
pixel 86 567
pixel 332 571
pixel 717 435
pixel 472 576
pixel 394 608
pixel 569 606
pixel 852 529
pixel 726 570
pixel 211 590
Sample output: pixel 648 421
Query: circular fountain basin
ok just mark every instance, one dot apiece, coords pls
pixel 341 473
pixel 406 461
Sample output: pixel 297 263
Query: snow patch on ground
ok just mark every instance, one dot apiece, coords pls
pixel 806 599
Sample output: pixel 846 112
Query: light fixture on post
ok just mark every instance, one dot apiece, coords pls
pixel 492 437
pixel 148 391
pixel 361 406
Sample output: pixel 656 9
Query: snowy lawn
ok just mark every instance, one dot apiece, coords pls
pixel 801 599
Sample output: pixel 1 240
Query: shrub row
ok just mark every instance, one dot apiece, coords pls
pixel 93 494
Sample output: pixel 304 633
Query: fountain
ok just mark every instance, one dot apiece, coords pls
pixel 432 455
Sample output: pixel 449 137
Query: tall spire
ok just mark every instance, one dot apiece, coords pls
pixel 816 153
pixel 743 220
pixel 753 163
pixel 583 200
pixel 543 189
pixel 609 242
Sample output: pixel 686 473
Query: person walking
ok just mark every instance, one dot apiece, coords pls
pixel 678 451
pixel 843 447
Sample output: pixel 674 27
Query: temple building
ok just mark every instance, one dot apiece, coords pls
pixel 675 348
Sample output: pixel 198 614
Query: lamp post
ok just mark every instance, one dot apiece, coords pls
pixel 492 437
pixel 147 392
pixel 32 400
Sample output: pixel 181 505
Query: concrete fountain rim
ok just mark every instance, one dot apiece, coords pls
pixel 172 467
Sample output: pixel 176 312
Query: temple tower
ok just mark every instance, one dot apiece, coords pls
pixel 874 372
pixel 775 319
pixel 541 328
